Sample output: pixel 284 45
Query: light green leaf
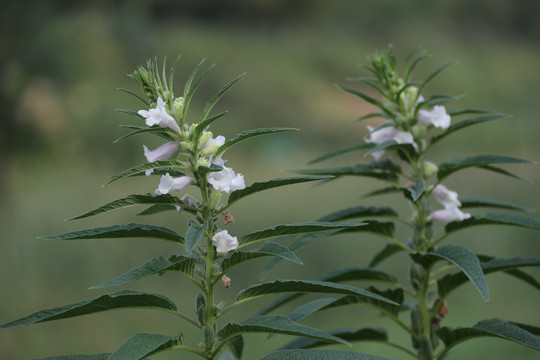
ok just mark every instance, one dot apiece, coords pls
pixel 355 148
pixel 174 168
pixel 463 124
pixel 450 282
pixel 132 200
pixel 157 265
pixel 365 334
pixel 268 249
pixel 140 345
pixel 305 286
pixel 210 104
pixel 274 324
pixel 270 184
pixel 477 202
pixel 248 134
pixel 448 167
pixel 299 354
pixel 495 219
pixel 102 356
pixel 119 300
pixel 291 229
pixel 463 258
pixel 493 328
pixel 130 230
pixel 193 235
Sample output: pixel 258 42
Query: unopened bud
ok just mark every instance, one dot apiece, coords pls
pixel 418 131
pixel 430 169
pixel 214 201
pixel 178 106
pixel 187 145
pixel 205 136
pixel 208 335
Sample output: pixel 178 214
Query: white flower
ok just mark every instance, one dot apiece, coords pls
pixel 160 116
pixel 224 242
pixel 449 214
pixel 447 198
pixel 169 184
pixel 211 146
pixel 226 180
pixel 186 200
pixel 386 134
pixel 163 152
pixel 437 116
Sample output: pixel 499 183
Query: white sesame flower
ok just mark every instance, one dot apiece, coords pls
pixel 447 198
pixel 211 146
pixel 387 134
pixel 169 184
pixel 224 242
pixel 452 213
pixel 226 180
pixel 163 152
pixel 159 116
pixel 436 116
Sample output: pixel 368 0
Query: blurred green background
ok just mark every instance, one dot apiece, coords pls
pixel 61 61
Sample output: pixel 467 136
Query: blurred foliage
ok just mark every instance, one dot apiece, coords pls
pixel 61 61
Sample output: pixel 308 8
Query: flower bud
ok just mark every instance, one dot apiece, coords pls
pixel 430 169
pixel 187 145
pixel 202 162
pixel 214 201
pixel 178 106
pixel 206 135
pixel 208 335
pixel 408 97
pixel 418 131
pixel 416 325
pixel 426 350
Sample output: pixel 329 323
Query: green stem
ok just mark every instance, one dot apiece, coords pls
pixel 190 349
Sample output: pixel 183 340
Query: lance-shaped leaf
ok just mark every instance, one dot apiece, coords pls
pixel 193 235
pixel 191 86
pixel 292 229
pixel 132 200
pixel 417 191
pixel 300 354
pixel 389 250
pixel 141 345
pixel 157 265
pixel 210 104
pixel 204 124
pixel 463 258
pixel 448 167
pixel 119 300
pixel 493 328
pixel 162 132
pixel 236 344
pixel 383 191
pixel 391 310
pixel 350 335
pixel 248 134
pixel 275 324
pixel 495 219
pixel 156 209
pixel 130 230
pixel 357 170
pixel 451 281
pixel 465 123
pixel 368 99
pixel 359 211
pixel 265 185
pixel 478 202
pixel 174 168
pixel 532 329
pixel 355 148
pixel 102 356
pixel 268 249
pixel 305 286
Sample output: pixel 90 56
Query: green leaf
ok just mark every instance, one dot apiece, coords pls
pixel 465 123
pixel 417 191
pixel 532 329
pixel 118 300
pixel 190 87
pixel 383 191
pixel 268 249
pixel 355 148
pixel 275 324
pixel 102 356
pixel 450 282
pixel 391 310
pixel 140 345
pixel 250 133
pixel 210 104
pixel 299 354
pixel 432 75
pixel 365 334
pixel 477 202
pixel 236 344
pixel 144 101
pixel 494 219
pixel 156 209
pixel 193 235
pixel 130 230
pixel 359 211
pixel 448 167
pixel 270 184
pixel 368 99
pixel 493 328
pixel 204 124
pixel 463 258
pixel 389 250
pixel 131 200
pixel 357 170
pixel 174 168
pixel 162 132
pixel 129 112
pixel 504 172
pixel 305 286
pixel 157 265
pixel 291 229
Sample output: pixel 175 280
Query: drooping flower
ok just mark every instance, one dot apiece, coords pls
pixel 159 116
pixel 169 184
pixel 224 242
pixel 226 180
pixel 387 134
pixel 446 197
pixel 163 152
pixel 436 116
pixel 452 213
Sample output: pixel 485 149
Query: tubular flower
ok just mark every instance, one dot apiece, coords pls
pixel 169 184
pixel 452 213
pixel 224 242
pixel 211 146
pixel 159 116
pixel 226 180
pixel 437 116
pixel 387 134
pixel 447 198
pixel 163 152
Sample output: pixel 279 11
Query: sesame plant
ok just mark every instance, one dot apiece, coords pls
pixel 191 156
pixel 412 124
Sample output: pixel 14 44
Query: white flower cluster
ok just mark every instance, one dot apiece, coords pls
pixel 225 180
pixel 451 211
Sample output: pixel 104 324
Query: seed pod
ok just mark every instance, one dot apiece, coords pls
pixel 416 326
pixel 208 335
pixel 417 275
pixel 425 351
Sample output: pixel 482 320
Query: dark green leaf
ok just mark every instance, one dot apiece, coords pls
pixel 368 99
pixel 193 235
pixel 155 209
pixel 129 112
pixel 144 101
pixel 236 344
pixel 190 87
pixel 477 202
pixel 432 75
pixel 504 172
pixel 210 104
pixel 268 249
pixel 118 300
pixel 162 132
pixel 358 170
pixel 495 219
pixel 383 191
pixel 465 123
pixel 355 148
pixel 299 354
pixel 532 329
pixel 448 167
pixel 139 346
pixel 102 356
pixel 250 133
pixel 172 167
pixel 204 124
pixel 365 334
pixel 417 190
pixel 359 211
pixel 130 230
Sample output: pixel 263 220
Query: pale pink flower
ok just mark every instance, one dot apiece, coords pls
pixel 169 184
pixel 387 134
pixel 224 242
pixel 446 197
pixel 452 213
pixel 163 152
pixel 226 180
pixel 211 146
pixel 436 116
pixel 159 116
